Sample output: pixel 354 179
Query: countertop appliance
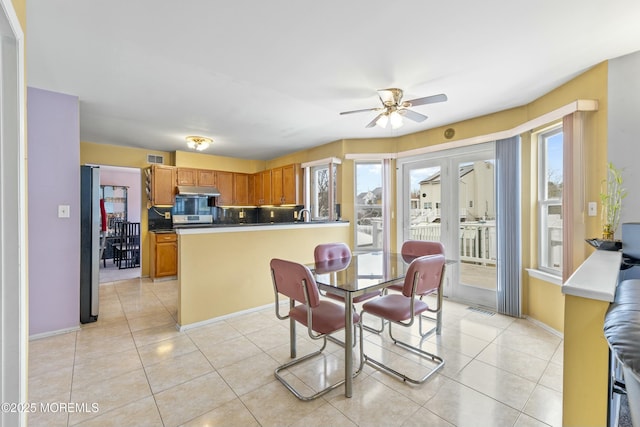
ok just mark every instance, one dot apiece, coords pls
pixel 90 232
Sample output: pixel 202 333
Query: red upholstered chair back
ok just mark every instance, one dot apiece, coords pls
pixel 427 272
pixel 331 251
pixel 291 278
pixel 416 248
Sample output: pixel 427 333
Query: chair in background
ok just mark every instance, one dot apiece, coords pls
pixel 321 317
pixel 410 250
pixel 424 276
pixel 335 253
pixel 127 250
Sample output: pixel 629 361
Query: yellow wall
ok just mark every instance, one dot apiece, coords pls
pixel 225 272
pixel 208 161
pixel 586 361
pixel 545 303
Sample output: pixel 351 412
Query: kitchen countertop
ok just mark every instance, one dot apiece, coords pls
pixel 224 228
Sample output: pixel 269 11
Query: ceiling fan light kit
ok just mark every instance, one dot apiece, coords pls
pixel 394 109
pixel 198 143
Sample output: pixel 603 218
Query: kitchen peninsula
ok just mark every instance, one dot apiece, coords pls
pixel 224 270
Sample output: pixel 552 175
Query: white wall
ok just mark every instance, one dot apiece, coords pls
pixel 624 130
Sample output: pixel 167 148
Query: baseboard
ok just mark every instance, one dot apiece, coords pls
pixel 53 333
pixel 220 318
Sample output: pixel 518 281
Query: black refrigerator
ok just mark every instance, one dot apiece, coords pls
pixel 90 231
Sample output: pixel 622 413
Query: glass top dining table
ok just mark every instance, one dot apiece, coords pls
pixel 362 273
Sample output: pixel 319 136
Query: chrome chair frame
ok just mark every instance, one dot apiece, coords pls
pixel 305 283
pixel 414 274
pixel 410 250
pixel 326 252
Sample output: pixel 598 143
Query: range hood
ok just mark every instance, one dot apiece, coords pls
pixel 194 191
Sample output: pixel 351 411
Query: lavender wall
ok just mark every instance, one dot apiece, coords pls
pixel 54 179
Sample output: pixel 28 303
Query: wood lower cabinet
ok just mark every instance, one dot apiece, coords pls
pixel 164 255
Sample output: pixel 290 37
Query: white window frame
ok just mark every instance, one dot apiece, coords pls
pixel 331 163
pixel 544 203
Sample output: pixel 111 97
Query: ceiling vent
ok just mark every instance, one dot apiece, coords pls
pixel 153 158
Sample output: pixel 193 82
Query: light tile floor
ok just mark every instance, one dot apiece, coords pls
pixel 141 371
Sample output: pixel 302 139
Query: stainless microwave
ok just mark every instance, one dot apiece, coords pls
pixel 192 205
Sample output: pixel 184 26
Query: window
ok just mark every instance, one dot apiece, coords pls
pixel 321 189
pixel 550 184
pixel 368 205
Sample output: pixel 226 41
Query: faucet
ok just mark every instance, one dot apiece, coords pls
pixel 301 214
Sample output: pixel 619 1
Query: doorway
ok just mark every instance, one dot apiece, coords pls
pixel 449 197
pixel 121 189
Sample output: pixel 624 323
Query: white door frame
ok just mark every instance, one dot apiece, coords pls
pixel 13 214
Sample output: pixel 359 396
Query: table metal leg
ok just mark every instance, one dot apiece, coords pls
pixel 348 344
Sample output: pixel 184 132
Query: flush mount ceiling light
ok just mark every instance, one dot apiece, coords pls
pixel 198 142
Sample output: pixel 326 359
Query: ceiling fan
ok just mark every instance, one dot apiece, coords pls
pixel 393 108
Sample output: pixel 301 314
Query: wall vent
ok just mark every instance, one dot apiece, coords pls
pixel 153 158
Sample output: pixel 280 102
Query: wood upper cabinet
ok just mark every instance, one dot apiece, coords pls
pixel 206 178
pixel 276 186
pixel 163 185
pixel 240 189
pixel 225 186
pixel 286 183
pixel 187 176
pixel 200 177
pixel 266 198
pixel 292 184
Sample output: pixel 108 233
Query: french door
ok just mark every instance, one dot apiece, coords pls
pixel 449 197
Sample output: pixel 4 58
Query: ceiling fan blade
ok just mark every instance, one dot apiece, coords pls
pixel 426 100
pixel 372 123
pixel 359 111
pixel 416 117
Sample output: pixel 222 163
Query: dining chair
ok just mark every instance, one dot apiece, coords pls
pixel 321 317
pixel 410 250
pixel 129 246
pixel 339 253
pixel 424 276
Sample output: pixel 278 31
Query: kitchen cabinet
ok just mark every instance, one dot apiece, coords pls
pixel 276 186
pixel 199 177
pixel 286 184
pixel 225 187
pixel 240 189
pixel 161 185
pixel 187 176
pixel 262 188
pixel 265 188
pixel 164 255
pixel 206 178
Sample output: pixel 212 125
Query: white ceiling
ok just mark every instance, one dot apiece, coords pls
pixel 266 78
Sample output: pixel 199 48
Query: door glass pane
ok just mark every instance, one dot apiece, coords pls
pixel 368 206
pixel 425 203
pixel 477 223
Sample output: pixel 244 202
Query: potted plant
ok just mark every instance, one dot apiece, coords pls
pixel 611 198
